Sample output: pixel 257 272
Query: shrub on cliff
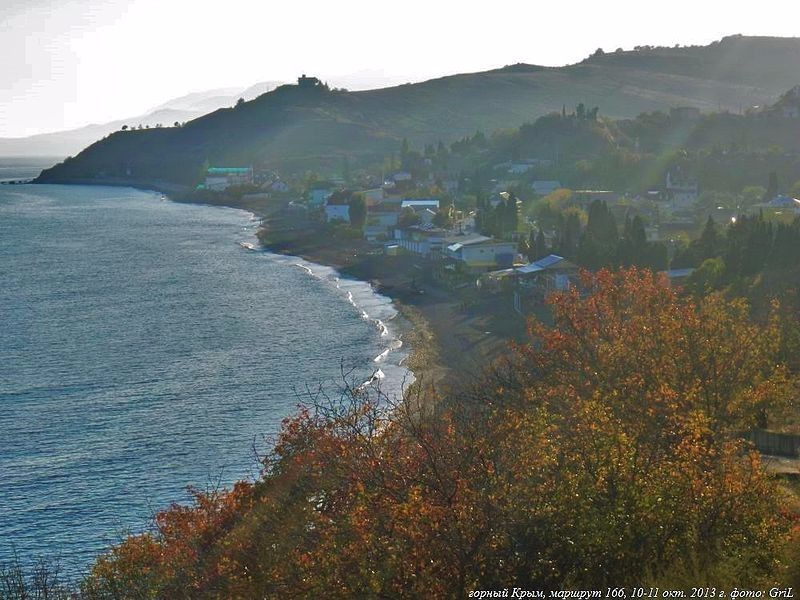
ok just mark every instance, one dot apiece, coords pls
pixel 601 453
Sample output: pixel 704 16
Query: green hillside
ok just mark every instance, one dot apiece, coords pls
pixel 295 128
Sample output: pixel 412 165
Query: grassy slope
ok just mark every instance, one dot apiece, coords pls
pixel 293 128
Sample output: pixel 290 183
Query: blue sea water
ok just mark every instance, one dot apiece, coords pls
pixel 144 348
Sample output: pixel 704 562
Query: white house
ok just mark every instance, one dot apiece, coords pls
pixel 421 239
pixel 480 252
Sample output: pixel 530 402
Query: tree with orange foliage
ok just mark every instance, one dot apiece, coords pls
pixel 603 453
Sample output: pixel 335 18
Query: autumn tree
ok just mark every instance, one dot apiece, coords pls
pixel 641 394
pixel 603 452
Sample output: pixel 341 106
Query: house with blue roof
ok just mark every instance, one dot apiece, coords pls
pixel 782 202
pixel 549 273
pixel 534 281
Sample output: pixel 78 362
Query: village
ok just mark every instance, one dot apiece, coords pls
pixel 508 245
pixel 476 235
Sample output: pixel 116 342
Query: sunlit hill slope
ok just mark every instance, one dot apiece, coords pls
pixel 294 127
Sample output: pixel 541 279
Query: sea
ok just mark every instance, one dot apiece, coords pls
pixel 147 346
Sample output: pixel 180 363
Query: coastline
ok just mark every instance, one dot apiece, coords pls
pixel 392 365
pixel 451 336
pixel 450 341
pixel 421 363
pixel 454 335
pixel 146 390
pixel 425 360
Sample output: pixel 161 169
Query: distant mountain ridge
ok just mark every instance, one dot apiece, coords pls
pixel 293 127
pixel 184 108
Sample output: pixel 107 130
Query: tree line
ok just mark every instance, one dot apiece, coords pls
pixel 747 247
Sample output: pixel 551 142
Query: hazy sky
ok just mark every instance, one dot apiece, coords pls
pixel 66 63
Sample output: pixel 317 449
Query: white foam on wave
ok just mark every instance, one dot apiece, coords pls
pixel 305 268
pixel 382 355
pixel 374 308
pixel 381 327
pixel 374 380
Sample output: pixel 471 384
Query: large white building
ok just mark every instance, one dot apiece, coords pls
pixel 425 240
pixel 479 252
pixel 221 178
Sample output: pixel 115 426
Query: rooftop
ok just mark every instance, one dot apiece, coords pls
pixel 420 203
pixel 781 201
pixel 465 240
pixel 471 241
pixel 542 264
pixel 678 273
pixel 226 170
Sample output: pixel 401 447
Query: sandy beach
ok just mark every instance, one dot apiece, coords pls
pixel 454 336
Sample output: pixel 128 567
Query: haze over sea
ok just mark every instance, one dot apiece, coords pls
pixel 144 349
